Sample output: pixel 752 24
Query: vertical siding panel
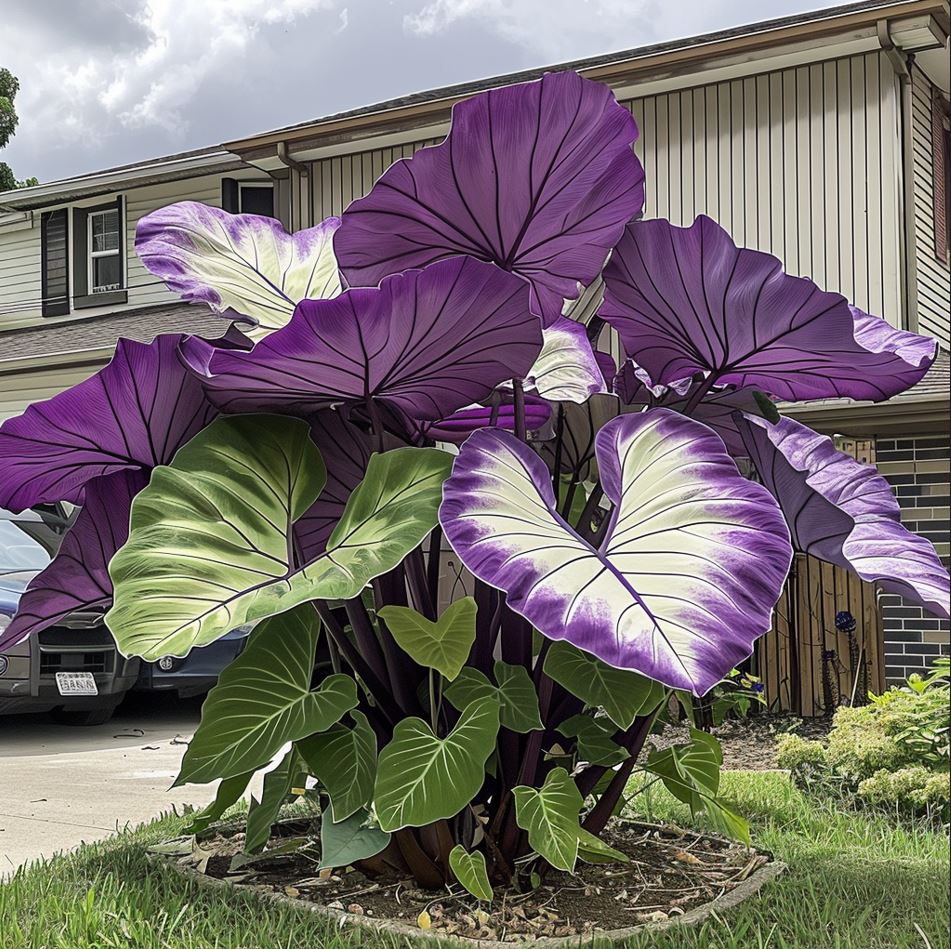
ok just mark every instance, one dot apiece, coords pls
pixel 367 174
pixel 818 170
pixel 764 170
pixel 648 152
pixel 891 193
pixel 326 190
pixel 662 168
pixel 688 163
pixel 874 165
pixel 830 149
pixel 676 171
pixel 803 189
pixel 846 179
pixel 725 148
pixel 777 190
pixel 859 176
pixel 699 153
pixel 738 162
pixel 751 169
pixel 711 150
pixel 790 174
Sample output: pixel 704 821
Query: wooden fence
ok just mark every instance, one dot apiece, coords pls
pixel 806 664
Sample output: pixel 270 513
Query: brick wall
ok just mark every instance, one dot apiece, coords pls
pixel 918 470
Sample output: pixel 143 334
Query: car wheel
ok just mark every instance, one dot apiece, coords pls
pixel 83 716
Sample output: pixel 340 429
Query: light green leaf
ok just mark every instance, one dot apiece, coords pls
pixel 593 849
pixel 691 772
pixel 211 535
pixel 347 841
pixel 263 700
pixel 343 759
pixel 550 816
pixel 262 814
pixel 621 693
pixel 422 778
pixel 595 742
pixel 515 693
pixel 470 871
pixel 443 645
pixel 229 793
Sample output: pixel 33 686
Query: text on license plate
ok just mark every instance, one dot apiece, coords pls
pixel 76 683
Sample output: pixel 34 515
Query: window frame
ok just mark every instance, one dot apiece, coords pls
pixel 82 256
pixel 93 255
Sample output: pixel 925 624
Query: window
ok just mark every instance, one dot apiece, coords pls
pixel 256 199
pixel 105 262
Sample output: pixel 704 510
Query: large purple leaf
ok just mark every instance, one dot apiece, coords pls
pixel 844 512
pixel 687 300
pixel 686 577
pixel 428 342
pixel 717 409
pixel 78 576
pixel 345 450
pixel 242 263
pixel 456 428
pixel 538 178
pixel 134 413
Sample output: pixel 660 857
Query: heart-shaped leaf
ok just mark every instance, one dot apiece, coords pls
pixel 422 778
pixel 277 787
pixel 515 693
pixel 566 369
pixel 243 262
pixel 225 509
pixel 595 742
pixel 263 700
pixel 345 842
pixel 622 694
pixel 550 816
pixel 443 645
pixel 470 871
pixel 343 759
pixel 686 576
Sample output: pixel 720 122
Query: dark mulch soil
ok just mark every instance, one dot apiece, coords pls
pixel 749 744
pixel 670 872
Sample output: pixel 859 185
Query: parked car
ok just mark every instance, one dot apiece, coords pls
pixel 73 668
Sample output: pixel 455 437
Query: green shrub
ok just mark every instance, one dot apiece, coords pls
pixel 892 753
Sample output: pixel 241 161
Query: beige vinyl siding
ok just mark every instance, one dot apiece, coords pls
pixel 144 289
pixel 933 275
pixel 20 389
pixel 20 278
pixel 802 162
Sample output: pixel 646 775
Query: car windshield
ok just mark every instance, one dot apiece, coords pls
pixel 29 540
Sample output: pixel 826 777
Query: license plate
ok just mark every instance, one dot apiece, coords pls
pixel 76 683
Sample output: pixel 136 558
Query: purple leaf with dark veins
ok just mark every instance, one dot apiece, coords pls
pixel 538 178
pixel 134 413
pixel 687 300
pixel 844 512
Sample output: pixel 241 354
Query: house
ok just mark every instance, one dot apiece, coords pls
pixel 822 138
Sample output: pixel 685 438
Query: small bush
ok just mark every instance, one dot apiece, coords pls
pixel 892 753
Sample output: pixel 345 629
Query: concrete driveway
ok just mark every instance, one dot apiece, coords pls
pixel 61 786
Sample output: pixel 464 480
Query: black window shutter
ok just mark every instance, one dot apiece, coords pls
pixel 229 195
pixel 257 200
pixel 54 254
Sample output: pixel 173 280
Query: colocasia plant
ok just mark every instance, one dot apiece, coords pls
pixel 479 555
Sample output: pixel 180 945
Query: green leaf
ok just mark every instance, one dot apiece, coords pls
pixel 593 849
pixel 767 406
pixel 443 645
pixel 422 778
pixel 343 759
pixel 621 693
pixel 515 694
pixel 345 842
pixel 263 700
pixel 229 793
pixel 595 742
pixel 470 871
pixel 211 534
pixel 262 814
pixel 550 816
pixel 691 772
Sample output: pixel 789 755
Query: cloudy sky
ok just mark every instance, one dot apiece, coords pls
pixel 105 82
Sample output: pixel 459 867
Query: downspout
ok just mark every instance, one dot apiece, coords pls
pixel 903 63
pixel 303 171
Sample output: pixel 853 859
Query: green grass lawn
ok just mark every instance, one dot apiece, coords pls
pixel 854 882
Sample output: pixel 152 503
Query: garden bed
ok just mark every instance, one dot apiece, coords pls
pixel 674 877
